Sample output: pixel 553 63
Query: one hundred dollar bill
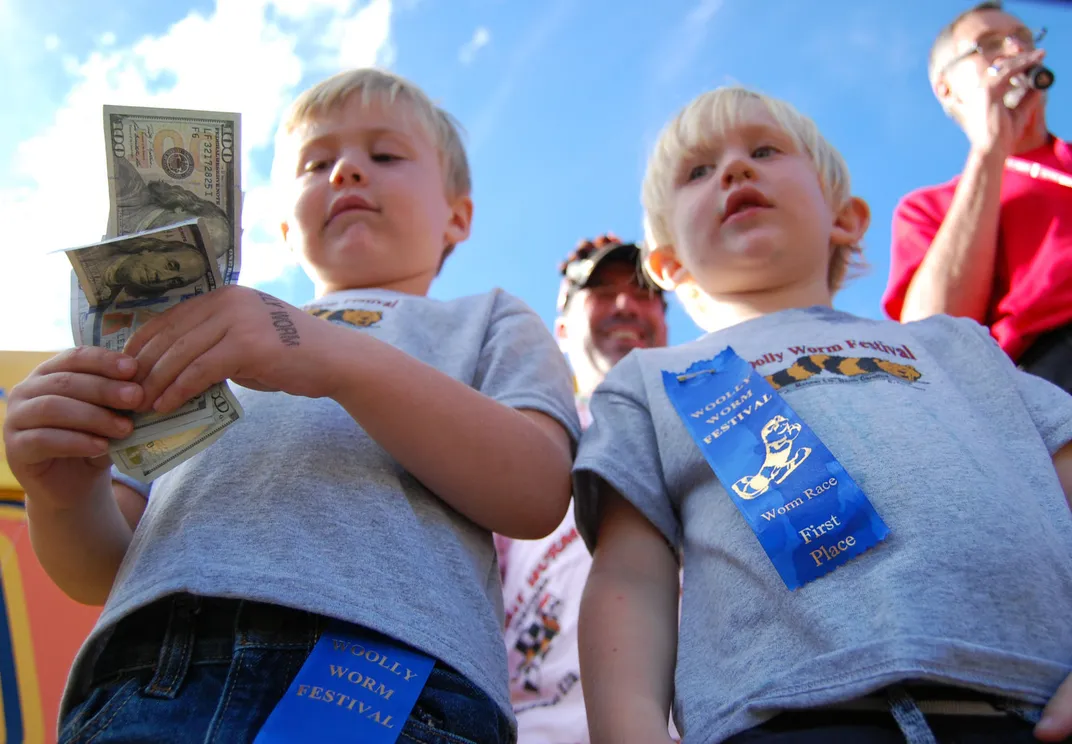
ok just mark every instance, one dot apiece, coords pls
pixel 79 310
pixel 167 165
pixel 147 461
pixel 124 282
pixel 164 167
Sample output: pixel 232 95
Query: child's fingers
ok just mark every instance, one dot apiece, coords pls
pixel 92 360
pixel 152 340
pixel 194 378
pixel 90 388
pixel 59 412
pixel 40 445
pixel 183 353
pixel 158 325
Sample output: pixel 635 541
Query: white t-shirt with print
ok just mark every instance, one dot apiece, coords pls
pixel 543 581
pixel 542 585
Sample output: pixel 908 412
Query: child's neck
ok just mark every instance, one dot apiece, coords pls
pixel 417 286
pixel 725 310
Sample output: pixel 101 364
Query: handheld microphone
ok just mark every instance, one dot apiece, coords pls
pixel 1034 78
pixel 1038 77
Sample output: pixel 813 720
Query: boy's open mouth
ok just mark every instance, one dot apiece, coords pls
pixel 742 200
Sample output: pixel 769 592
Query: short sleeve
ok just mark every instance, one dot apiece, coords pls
pixel 620 448
pixel 521 366
pixel 915 223
pixel 1049 406
pixel 126 480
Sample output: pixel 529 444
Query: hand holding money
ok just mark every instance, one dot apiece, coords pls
pixel 175 194
pixel 60 420
pixel 126 282
pixel 236 333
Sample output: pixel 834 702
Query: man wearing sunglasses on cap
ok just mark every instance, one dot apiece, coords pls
pixel 606 308
pixel 995 243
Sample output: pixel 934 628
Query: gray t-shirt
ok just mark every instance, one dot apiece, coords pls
pixel 297 506
pixel 951 444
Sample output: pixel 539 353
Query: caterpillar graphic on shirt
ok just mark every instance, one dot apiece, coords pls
pixel 356 318
pixel 806 367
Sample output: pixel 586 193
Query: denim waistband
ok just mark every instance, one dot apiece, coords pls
pixel 211 629
pixel 1055 341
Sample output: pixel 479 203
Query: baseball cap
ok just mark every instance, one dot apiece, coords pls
pixel 581 264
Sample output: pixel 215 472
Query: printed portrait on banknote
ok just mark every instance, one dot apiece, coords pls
pixel 144 205
pixel 144 267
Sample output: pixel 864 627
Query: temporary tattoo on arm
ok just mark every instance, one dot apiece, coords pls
pixel 284 326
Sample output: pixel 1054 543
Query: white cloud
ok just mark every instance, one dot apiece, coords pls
pixel 52 43
pixel 247 56
pixel 480 39
pixel 107 39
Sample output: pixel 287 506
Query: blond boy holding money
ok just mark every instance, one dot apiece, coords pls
pixel 347 520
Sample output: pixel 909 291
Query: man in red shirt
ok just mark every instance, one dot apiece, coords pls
pixel 995 243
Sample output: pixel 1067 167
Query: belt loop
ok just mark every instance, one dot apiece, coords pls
pixel 318 626
pixel 1024 711
pixel 909 717
pixel 175 649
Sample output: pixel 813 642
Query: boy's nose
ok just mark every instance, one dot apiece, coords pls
pixel 345 172
pixel 736 170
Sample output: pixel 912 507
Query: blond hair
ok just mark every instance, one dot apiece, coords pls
pixel 373 84
pixel 708 116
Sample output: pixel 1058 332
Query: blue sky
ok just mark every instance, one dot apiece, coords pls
pixel 561 100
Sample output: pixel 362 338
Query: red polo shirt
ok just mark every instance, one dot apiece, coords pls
pixel 1033 268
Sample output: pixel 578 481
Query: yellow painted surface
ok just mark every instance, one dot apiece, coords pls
pixel 40 628
pixel 14 366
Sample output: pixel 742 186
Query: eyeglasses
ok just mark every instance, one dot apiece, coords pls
pixel 991 47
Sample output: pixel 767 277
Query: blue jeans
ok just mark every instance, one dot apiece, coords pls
pixel 829 726
pixel 877 728
pixel 195 669
pixel 1050 357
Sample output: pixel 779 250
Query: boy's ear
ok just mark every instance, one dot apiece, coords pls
pixel 460 222
pixel 664 268
pixel 851 222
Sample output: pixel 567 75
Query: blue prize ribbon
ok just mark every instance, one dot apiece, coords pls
pixel 354 687
pixel 806 510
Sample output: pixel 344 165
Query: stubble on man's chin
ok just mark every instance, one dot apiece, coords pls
pixel 604 361
pixel 600 362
